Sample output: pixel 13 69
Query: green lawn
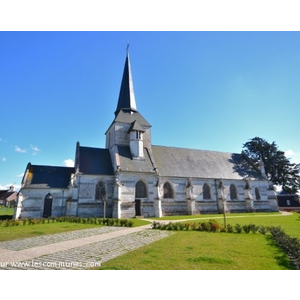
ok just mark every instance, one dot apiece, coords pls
pixel 190 250
pixel 24 231
pixel 6 213
pixel 193 250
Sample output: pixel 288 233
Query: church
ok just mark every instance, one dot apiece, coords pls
pixel 130 177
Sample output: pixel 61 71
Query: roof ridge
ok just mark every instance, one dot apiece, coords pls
pixel 186 148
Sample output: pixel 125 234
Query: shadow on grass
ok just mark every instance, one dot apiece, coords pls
pixel 5 217
pixel 280 256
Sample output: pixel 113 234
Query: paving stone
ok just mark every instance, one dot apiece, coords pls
pixel 82 257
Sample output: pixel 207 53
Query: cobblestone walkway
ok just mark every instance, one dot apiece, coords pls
pixel 55 238
pixel 81 249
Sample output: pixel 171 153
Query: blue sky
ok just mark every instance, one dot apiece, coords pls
pixel 203 89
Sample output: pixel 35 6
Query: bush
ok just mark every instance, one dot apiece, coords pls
pixel 180 226
pixel 262 229
pixel 238 228
pixel 214 225
pixel 230 228
pixel 246 228
pixel 291 246
pixel 155 225
pixel 253 228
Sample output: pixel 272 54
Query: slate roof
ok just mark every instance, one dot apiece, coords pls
pixel 124 117
pixel 95 161
pixel 134 165
pixel 126 99
pixel 5 194
pixel 182 162
pixel 48 176
pixel 135 126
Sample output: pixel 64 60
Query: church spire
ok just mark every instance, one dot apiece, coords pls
pixel 126 100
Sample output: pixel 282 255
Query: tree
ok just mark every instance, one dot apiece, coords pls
pixel 278 168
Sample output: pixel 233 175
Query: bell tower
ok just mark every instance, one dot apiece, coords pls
pixel 129 128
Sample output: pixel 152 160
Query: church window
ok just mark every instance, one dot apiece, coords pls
pixel 168 190
pixel 233 192
pixel 140 190
pixel 100 192
pixel 139 135
pixel 206 191
pixel 257 193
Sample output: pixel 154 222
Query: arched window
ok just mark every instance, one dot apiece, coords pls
pixel 140 190
pixel 100 192
pixel 206 191
pixel 257 193
pixel 168 190
pixel 233 192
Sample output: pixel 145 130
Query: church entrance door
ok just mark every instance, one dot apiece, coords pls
pixel 138 207
pixel 47 206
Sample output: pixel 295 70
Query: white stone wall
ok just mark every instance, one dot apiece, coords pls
pixel 180 204
pixel 31 203
pixel 127 194
pixel 80 200
pixel 88 206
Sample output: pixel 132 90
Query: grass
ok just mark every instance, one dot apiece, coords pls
pixel 24 231
pixel 190 250
pixel 204 251
pixel 6 213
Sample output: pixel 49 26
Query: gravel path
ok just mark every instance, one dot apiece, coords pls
pixel 75 250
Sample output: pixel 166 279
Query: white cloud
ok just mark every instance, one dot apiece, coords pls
pixel 20 175
pixel 7 186
pixel 35 149
pixel 293 156
pixel 69 162
pixel 19 150
pixel 290 153
pixel 4 159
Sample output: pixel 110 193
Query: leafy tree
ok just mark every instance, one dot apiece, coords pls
pixel 278 168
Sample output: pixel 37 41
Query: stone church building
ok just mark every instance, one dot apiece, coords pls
pixel 130 177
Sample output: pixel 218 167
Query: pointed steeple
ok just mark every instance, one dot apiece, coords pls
pixel 126 100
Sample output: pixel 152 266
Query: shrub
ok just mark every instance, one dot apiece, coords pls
pixel 180 226
pixel 205 226
pixel 238 228
pixel 169 226
pixel 5 223
pixel 230 228
pixel 253 228
pixel 155 225
pixel 291 246
pixel 222 228
pixel 262 229
pixel 246 228
pixel 187 226
pixel 123 222
pixel 213 225
pixel 194 226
